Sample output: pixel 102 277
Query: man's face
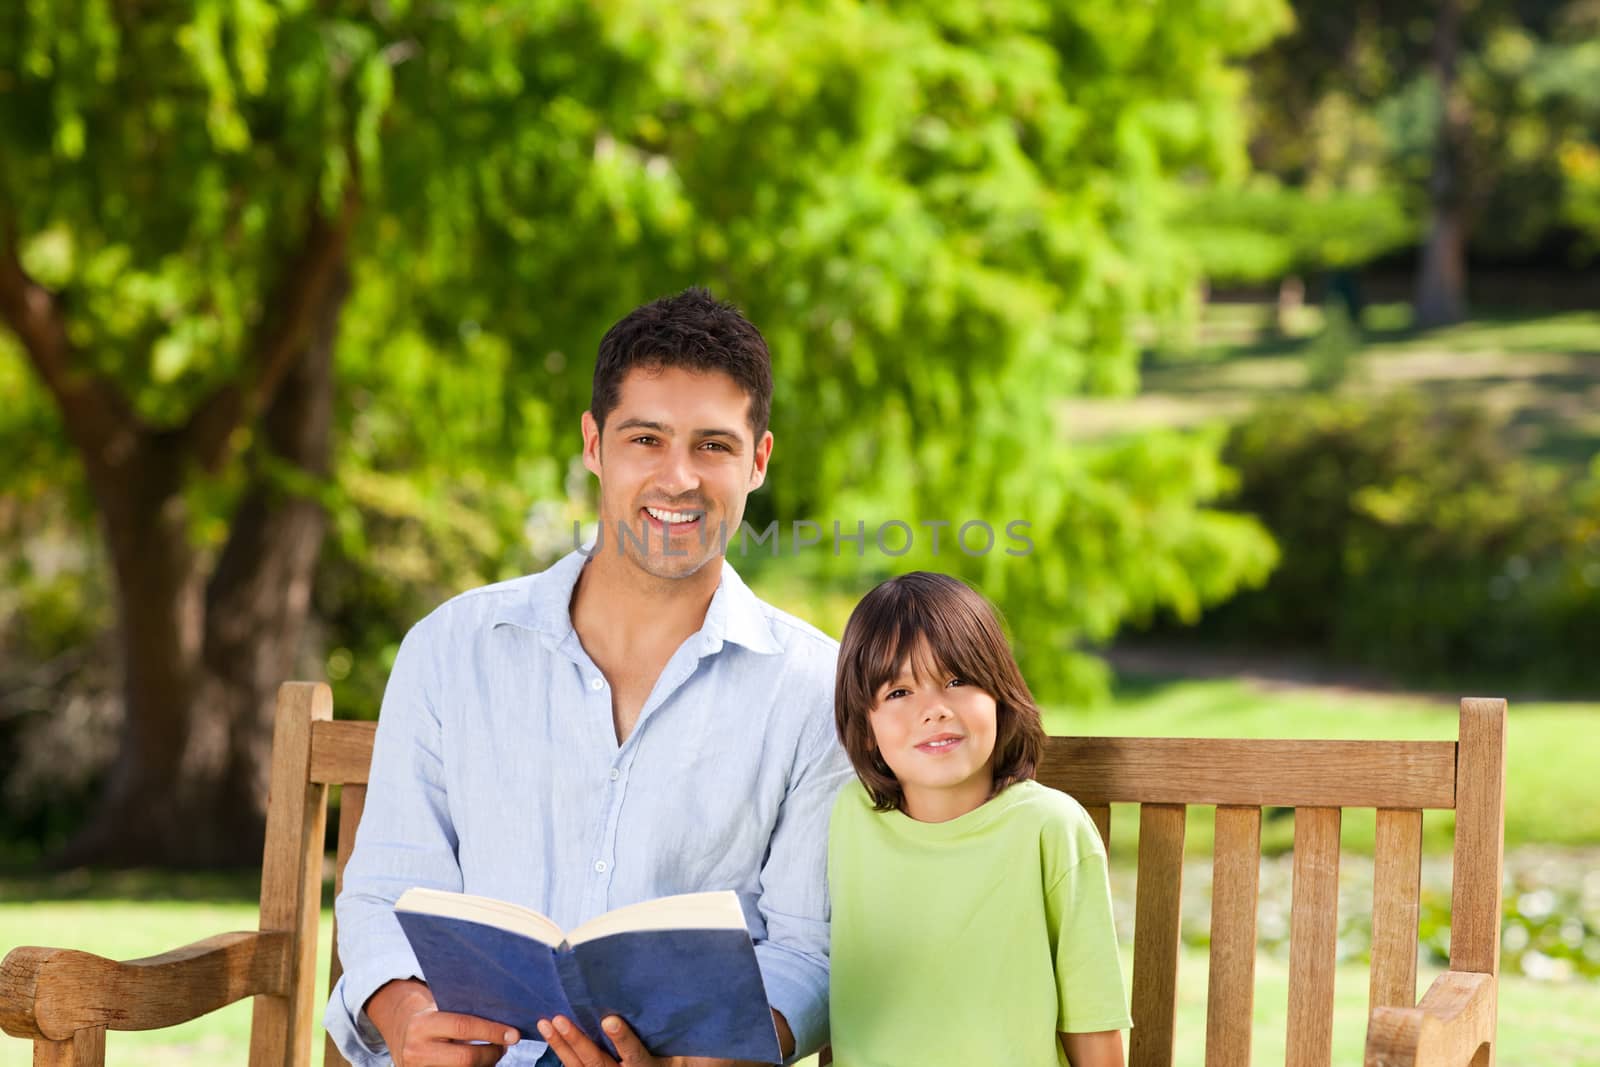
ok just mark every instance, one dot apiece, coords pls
pixel 676 460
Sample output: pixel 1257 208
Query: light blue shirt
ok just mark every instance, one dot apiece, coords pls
pixel 497 771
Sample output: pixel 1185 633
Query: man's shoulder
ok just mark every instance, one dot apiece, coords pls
pixel 797 635
pixel 517 601
pixel 808 657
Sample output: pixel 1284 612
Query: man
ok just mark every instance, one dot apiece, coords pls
pixel 628 724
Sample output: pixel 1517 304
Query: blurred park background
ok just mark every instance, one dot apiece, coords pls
pixel 1278 322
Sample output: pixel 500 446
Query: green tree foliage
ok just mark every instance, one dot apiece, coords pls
pixel 1261 231
pixel 234 233
pixel 1348 115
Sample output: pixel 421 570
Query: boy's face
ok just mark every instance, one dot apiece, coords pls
pixel 937 734
pixel 676 460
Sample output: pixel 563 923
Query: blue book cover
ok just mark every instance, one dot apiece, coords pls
pixel 680 970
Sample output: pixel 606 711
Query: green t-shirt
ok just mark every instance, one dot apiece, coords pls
pixel 972 941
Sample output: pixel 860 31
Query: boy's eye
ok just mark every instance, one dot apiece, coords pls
pixel 893 693
pixel 955 682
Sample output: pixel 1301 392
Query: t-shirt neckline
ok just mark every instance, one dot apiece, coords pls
pixel 962 825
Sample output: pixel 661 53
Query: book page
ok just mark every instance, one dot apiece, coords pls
pixel 485 910
pixel 686 911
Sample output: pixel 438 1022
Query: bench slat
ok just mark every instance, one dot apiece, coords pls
pixel 1480 839
pixel 352 802
pixel 1396 887
pixel 1155 934
pixel 1235 883
pixel 1313 936
pixel 282 1027
pixel 1186 770
pixel 341 752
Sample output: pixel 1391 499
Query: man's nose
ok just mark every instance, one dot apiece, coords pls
pixel 677 473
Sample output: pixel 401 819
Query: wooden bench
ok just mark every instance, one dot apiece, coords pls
pixel 65 1001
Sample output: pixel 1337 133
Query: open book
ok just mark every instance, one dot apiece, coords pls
pixel 680 970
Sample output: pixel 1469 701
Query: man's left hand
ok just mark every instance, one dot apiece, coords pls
pixel 575 1049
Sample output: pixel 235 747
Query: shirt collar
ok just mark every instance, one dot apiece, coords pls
pixel 735 614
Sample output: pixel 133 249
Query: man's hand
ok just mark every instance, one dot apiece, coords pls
pixel 575 1049
pixel 420 1035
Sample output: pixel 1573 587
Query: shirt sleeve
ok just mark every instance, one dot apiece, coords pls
pixel 1083 941
pixel 794 886
pixel 406 839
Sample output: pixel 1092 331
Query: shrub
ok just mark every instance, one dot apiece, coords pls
pixel 1416 539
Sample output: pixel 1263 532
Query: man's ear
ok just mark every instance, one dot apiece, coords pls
pixel 591 443
pixel 763 455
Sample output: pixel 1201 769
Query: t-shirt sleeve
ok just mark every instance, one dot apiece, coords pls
pixel 1090 994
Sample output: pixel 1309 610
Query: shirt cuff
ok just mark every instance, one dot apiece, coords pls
pixel 345 1020
pixel 798 988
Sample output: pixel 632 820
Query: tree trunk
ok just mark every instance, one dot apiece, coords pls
pixel 203 660
pixel 1442 275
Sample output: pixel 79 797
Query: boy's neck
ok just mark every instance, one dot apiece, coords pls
pixel 942 805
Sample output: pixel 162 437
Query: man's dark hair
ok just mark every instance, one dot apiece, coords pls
pixel 940 626
pixel 694 331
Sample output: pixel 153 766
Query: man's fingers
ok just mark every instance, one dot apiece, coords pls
pixel 562 1050
pixel 572 1046
pixel 440 1039
pixel 632 1050
pixel 470 1055
pixel 442 1053
pixel 458 1027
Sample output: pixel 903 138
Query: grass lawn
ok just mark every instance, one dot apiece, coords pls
pixel 1541 1024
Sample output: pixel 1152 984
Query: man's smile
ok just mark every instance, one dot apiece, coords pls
pixel 669 522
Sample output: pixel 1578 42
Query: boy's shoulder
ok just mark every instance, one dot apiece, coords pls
pixel 1064 824
pixel 852 800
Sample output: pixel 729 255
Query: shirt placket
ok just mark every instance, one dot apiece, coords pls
pixel 601 861
pixel 602 864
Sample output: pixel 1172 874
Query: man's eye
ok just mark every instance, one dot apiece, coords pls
pixel 644 439
pixel 718 445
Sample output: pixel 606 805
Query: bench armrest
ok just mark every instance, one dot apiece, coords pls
pixel 1446 1028
pixel 51 993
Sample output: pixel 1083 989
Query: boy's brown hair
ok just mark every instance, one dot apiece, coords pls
pixel 944 626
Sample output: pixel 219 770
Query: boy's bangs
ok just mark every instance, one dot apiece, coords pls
pixel 933 643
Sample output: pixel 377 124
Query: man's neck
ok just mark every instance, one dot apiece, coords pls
pixel 617 607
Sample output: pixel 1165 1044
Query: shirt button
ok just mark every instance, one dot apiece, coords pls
pixel 600 866
pixel 615 774
pixel 596 684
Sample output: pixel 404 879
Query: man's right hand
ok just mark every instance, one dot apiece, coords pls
pixel 420 1035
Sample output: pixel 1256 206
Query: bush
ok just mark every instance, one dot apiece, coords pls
pixel 1417 540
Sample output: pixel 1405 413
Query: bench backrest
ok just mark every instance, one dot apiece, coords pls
pixel 1163 776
